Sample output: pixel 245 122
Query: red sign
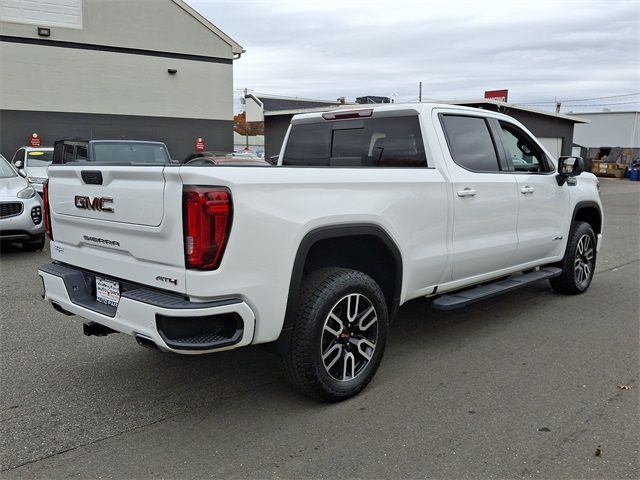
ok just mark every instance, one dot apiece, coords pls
pixel 499 95
pixel 34 140
pixel 199 145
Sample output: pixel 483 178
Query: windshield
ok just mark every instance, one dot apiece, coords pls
pixel 5 169
pixel 39 158
pixel 130 152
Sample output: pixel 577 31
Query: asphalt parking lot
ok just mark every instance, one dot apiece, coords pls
pixel 523 385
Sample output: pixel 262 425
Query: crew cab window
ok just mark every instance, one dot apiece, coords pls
pixel 308 144
pixel 68 153
pixel 372 142
pixel 526 155
pixel 470 143
pixel 130 153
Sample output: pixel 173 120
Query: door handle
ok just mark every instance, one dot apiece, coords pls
pixel 527 189
pixel 467 192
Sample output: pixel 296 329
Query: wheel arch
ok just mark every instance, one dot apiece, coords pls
pixel 340 241
pixel 590 212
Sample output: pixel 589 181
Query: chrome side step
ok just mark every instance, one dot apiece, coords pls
pixel 463 298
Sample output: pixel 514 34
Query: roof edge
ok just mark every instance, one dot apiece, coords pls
pixel 236 48
pixel 571 118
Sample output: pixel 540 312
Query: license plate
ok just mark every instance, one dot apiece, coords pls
pixel 107 291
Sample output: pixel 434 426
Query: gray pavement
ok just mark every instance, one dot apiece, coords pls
pixel 519 386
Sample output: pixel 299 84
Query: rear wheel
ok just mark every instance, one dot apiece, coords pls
pixel 339 338
pixel 579 262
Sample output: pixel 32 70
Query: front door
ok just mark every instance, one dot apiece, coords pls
pixel 542 219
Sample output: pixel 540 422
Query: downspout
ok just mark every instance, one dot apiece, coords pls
pixel 635 132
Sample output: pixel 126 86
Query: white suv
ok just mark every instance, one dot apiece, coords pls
pixel 33 162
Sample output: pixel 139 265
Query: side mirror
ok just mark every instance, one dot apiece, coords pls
pixel 22 173
pixel 19 164
pixel 273 160
pixel 569 167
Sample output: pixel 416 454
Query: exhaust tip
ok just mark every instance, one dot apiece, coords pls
pixel 145 342
pixel 96 329
pixel 58 308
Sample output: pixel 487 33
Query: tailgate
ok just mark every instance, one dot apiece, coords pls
pixel 122 221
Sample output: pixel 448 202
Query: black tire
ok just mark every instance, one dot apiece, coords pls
pixel 33 245
pixel 326 291
pixel 579 262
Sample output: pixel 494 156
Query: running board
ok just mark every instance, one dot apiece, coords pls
pixel 488 290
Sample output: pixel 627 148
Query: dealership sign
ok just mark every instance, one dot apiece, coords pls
pixel 199 145
pixel 499 95
pixel 34 140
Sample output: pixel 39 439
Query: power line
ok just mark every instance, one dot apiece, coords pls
pixel 581 99
pixel 599 104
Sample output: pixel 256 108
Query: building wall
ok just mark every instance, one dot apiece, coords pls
pixel 55 79
pixel 609 129
pixel 110 79
pixel 179 134
pixel 543 126
pixel 159 25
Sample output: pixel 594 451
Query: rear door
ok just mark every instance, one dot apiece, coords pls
pixel 484 196
pixel 122 221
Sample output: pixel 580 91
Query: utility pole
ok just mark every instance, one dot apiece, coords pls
pixel 420 93
pixel 246 123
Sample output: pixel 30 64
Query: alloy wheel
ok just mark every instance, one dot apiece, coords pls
pixel 349 337
pixel 583 263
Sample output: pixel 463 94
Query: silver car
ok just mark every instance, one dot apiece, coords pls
pixel 21 212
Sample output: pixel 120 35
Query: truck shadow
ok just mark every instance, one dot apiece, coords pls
pixel 116 386
pixel 181 383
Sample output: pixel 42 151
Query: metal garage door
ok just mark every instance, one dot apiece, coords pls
pixel 553 144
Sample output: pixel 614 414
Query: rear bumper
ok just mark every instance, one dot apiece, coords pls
pixel 171 322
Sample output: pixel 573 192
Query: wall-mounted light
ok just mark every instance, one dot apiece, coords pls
pixel 44 32
pixel 172 71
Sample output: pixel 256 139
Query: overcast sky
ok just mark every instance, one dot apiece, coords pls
pixel 539 50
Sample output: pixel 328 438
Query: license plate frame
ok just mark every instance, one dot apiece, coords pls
pixel 107 291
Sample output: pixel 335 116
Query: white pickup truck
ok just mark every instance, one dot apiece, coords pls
pixel 366 209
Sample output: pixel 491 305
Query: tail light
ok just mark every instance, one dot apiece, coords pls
pixel 47 214
pixel 206 217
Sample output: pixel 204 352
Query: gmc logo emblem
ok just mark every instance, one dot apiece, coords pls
pixel 93 203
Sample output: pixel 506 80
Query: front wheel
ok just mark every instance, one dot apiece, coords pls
pixel 340 334
pixel 579 262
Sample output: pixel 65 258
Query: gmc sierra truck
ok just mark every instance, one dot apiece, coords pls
pixel 365 210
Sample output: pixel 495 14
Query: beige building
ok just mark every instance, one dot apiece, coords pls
pixel 149 70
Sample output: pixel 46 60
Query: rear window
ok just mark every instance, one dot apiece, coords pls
pixel 374 142
pixel 36 158
pixel 130 153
